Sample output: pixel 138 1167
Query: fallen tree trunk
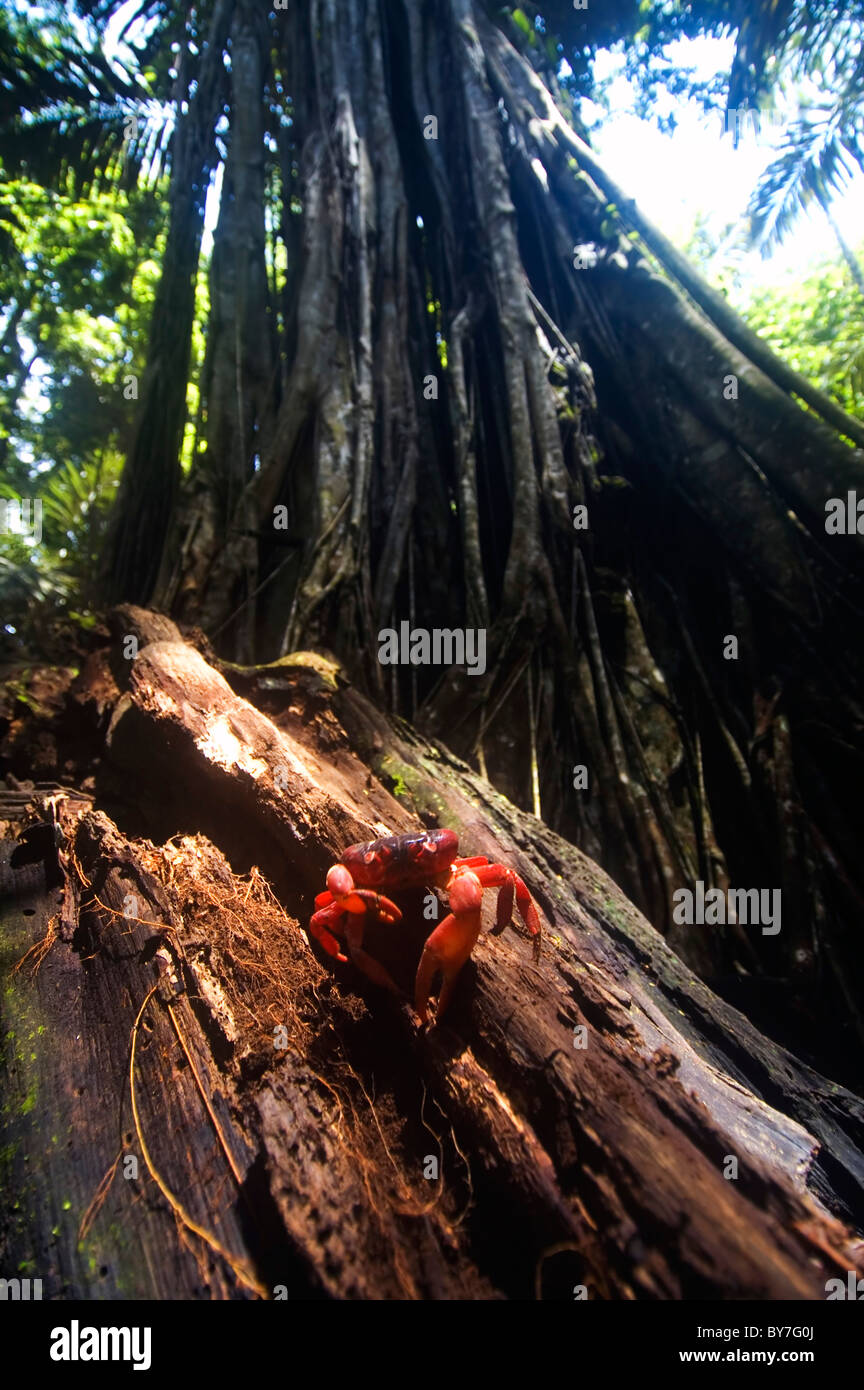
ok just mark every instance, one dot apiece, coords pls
pixel 197 1106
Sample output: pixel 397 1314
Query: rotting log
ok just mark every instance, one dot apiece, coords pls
pixel 195 1105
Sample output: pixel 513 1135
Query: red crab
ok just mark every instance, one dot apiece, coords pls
pixel 427 858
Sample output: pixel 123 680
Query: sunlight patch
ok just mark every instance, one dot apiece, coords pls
pixel 223 747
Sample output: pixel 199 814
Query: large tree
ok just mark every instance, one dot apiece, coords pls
pixel 437 330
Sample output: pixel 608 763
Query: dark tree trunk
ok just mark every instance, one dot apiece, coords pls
pixel 151 479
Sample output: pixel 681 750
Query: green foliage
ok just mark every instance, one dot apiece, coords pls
pixel 78 287
pixel 719 250
pixel 75 503
pixel 63 107
pixel 522 21
pixel 80 245
pixel 77 282
pixel 33 589
pixel 45 580
pixel 814 322
pixel 817 325
pixel 79 292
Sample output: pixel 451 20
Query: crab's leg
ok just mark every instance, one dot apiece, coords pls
pixel 447 950
pixel 362 959
pixel 497 875
pixel 450 944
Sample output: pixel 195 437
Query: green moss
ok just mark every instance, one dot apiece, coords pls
pixel 309 661
pixel 416 788
pixel 112 1246
pixel 397 777
pixel 327 670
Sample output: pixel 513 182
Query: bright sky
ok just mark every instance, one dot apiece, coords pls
pixel 673 178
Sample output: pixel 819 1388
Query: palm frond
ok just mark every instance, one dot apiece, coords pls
pixel 65 111
pixel 815 162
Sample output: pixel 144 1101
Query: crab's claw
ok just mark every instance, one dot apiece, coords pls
pixel 339 907
pixel 451 943
pixel 341 889
pixel 321 922
pixel 365 900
